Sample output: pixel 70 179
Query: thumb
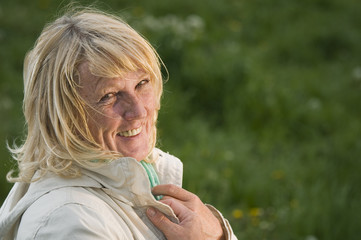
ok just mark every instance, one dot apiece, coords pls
pixel 162 222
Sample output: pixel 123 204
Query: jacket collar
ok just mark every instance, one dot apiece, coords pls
pixel 124 178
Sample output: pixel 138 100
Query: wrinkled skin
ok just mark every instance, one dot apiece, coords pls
pixel 196 220
pixel 121 111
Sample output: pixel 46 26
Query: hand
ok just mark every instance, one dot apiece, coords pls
pixel 196 220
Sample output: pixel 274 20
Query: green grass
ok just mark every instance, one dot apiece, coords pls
pixel 262 105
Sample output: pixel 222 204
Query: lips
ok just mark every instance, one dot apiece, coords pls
pixel 130 133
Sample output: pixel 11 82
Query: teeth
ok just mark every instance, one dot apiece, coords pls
pixel 130 133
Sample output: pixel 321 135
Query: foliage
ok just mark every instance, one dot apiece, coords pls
pixel 262 104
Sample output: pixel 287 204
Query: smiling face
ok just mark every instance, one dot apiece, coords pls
pixel 121 110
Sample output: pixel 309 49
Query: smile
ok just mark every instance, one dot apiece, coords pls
pixel 130 133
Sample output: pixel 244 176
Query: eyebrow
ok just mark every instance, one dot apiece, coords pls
pixel 143 74
pixel 103 84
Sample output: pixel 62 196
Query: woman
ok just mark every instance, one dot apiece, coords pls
pixel 88 168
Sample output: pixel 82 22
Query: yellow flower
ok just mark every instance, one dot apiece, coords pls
pixel 237 213
pixel 255 212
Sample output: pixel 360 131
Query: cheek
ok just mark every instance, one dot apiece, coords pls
pixel 96 121
pixel 93 125
pixel 151 105
pixel 150 100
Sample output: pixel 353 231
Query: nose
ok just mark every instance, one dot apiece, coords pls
pixel 133 108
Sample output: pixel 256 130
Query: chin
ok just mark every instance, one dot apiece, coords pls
pixel 137 147
pixel 139 156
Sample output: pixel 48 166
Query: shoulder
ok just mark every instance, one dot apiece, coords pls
pixel 165 158
pixel 66 213
pixel 169 168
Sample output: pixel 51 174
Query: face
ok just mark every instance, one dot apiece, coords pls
pixel 121 111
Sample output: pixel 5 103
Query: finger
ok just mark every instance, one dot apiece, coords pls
pixel 179 208
pixel 173 191
pixel 162 222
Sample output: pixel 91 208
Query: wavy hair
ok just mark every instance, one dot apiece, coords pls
pixel 58 138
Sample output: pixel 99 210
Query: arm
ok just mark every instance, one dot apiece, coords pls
pixel 197 221
pixel 227 229
pixel 74 221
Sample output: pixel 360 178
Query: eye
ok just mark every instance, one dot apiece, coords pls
pixel 107 97
pixel 142 83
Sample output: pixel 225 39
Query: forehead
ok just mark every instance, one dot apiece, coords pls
pixel 86 77
pixel 90 85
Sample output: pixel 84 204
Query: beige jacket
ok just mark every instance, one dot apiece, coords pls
pixel 108 203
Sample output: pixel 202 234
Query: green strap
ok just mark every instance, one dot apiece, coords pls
pixel 152 175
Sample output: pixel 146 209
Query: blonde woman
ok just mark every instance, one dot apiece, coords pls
pixel 88 168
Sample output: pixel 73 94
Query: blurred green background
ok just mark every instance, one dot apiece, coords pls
pixel 262 104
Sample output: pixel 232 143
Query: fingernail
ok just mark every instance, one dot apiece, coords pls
pixel 151 212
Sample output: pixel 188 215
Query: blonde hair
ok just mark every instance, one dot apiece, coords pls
pixel 58 138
